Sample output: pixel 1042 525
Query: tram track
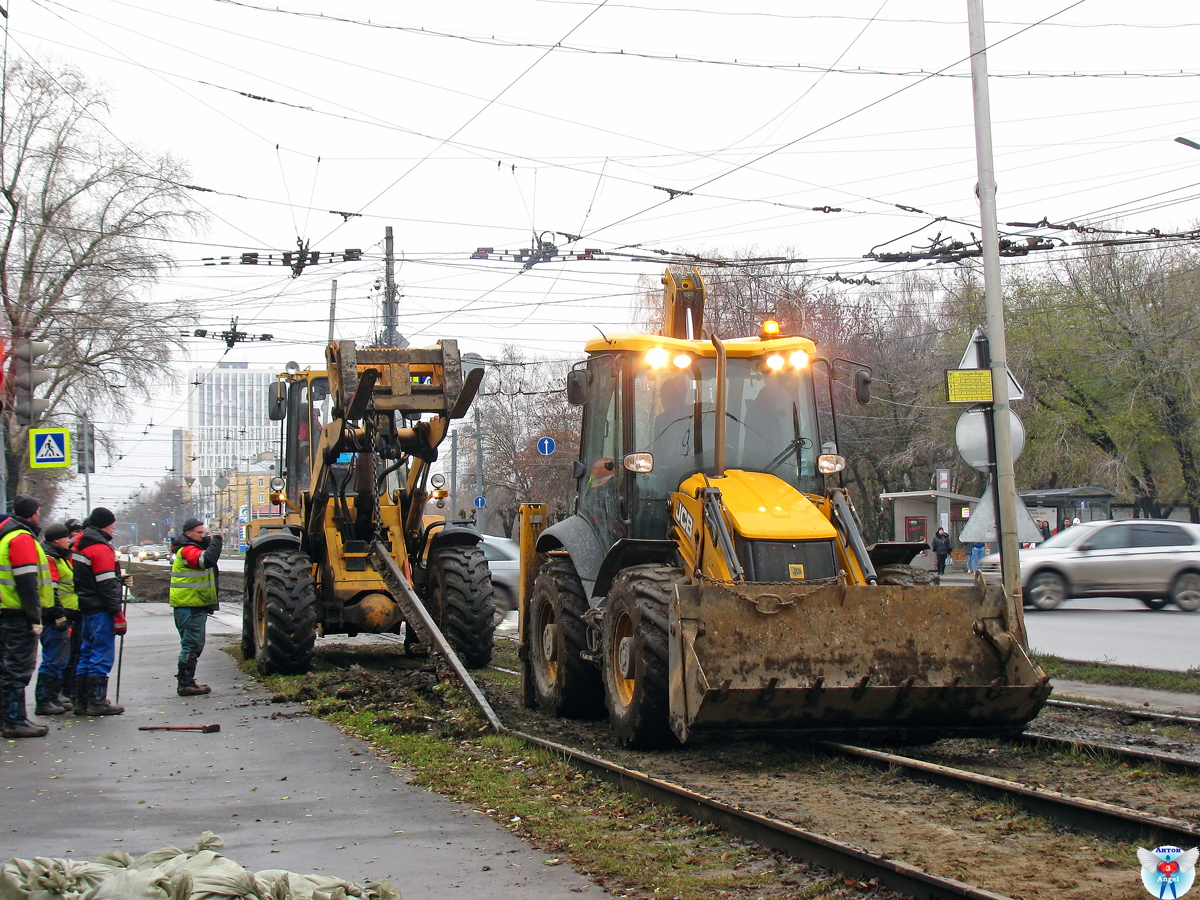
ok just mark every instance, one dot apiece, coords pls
pixel 1092 816
pixel 752 816
pixel 765 830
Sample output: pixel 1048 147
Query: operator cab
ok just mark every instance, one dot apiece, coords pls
pixel 650 423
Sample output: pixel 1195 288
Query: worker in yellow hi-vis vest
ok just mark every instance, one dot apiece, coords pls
pixel 193 598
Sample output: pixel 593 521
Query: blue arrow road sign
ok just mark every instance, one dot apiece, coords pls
pixel 479 502
pixel 545 446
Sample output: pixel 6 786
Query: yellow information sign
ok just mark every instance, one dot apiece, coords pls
pixel 49 448
pixel 969 385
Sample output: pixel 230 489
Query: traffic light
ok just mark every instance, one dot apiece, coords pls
pixel 27 407
pixel 85 448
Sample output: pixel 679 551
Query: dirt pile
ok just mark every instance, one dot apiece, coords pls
pixel 151 584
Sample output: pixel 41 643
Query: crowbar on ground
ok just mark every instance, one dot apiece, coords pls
pixel 205 729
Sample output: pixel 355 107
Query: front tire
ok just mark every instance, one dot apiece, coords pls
pixel 1185 592
pixel 1047 590
pixel 462 601
pixel 285 613
pixel 1155 602
pixel 636 664
pixel 565 684
pixel 248 628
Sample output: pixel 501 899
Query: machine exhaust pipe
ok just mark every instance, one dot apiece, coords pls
pixel 722 390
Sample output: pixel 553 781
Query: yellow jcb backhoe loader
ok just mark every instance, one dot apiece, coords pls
pixel 714 577
pixel 352 547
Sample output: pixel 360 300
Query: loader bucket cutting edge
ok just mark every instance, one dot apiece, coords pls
pixel 899 663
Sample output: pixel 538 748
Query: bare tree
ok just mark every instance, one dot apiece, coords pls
pixel 152 515
pixel 80 230
pixel 522 400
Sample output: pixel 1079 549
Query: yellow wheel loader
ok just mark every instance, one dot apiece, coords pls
pixel 714 577
pixel 353 549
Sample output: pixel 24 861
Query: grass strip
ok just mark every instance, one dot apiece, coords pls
pixel 1120 676
pixel 632 847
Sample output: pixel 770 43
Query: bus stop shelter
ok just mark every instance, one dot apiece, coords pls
pixel 1054 504
pixel 917 515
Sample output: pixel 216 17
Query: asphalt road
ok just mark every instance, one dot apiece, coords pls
pixel 283 789
pixel 1117 631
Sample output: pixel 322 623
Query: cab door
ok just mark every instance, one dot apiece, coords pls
pixel 600 473
pixel 1106 561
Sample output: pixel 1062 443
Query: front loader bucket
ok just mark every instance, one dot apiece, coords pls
pixel 890 663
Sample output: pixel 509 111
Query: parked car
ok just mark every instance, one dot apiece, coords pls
pixel 504 561
pixel 153 551
pixel 1152 560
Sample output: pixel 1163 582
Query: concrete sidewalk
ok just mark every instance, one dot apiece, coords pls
pixel 283 790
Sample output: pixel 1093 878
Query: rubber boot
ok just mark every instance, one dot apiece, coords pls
pixel 45 693
pixel 79 697
pixel 187 681
pixel 97 704
pixel 15 723
pixel 66 690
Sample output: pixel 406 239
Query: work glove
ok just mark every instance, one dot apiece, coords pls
pixel 120 626
pixel 36 629
pixel 127 580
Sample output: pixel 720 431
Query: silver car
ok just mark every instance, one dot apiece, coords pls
pixel 1152 560
pixel 504 561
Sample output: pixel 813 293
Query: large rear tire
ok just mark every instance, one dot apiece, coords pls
pixel 565 684
pixel 461 594
pixel 285 613
pixel 636 664
pixel 248 628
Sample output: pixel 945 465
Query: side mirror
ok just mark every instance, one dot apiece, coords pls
pixel 577 387
pixel 276 408
pixel 862 386
pixel 577 469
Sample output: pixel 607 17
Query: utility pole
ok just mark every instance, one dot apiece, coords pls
pixel 479 467
pixel 1006 481
pixel 389 294
pixel 453 475
pixel 332 308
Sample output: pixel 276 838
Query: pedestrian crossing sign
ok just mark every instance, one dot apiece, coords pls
pixel 49 448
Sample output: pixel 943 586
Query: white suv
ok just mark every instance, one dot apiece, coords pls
pixel 1152 560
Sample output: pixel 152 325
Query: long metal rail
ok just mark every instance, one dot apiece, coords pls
pixel 1091 816
pixel 1143 715
pixel 769 832
pixel 1179 764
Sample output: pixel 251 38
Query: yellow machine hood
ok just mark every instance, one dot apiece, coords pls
pixel 765 507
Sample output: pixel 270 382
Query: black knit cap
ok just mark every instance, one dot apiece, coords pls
pixel 101 517
pixel 189 524
pixel 25 506
pixel 56 531
pixel 74 525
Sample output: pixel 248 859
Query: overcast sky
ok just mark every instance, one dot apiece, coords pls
pixel 472 124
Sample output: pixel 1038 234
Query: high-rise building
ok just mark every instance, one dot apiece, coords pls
pixel 228 428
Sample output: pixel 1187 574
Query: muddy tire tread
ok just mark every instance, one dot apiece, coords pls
pixel 579 691
pixel 292 613
pixel 646 592
pixel 467 615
